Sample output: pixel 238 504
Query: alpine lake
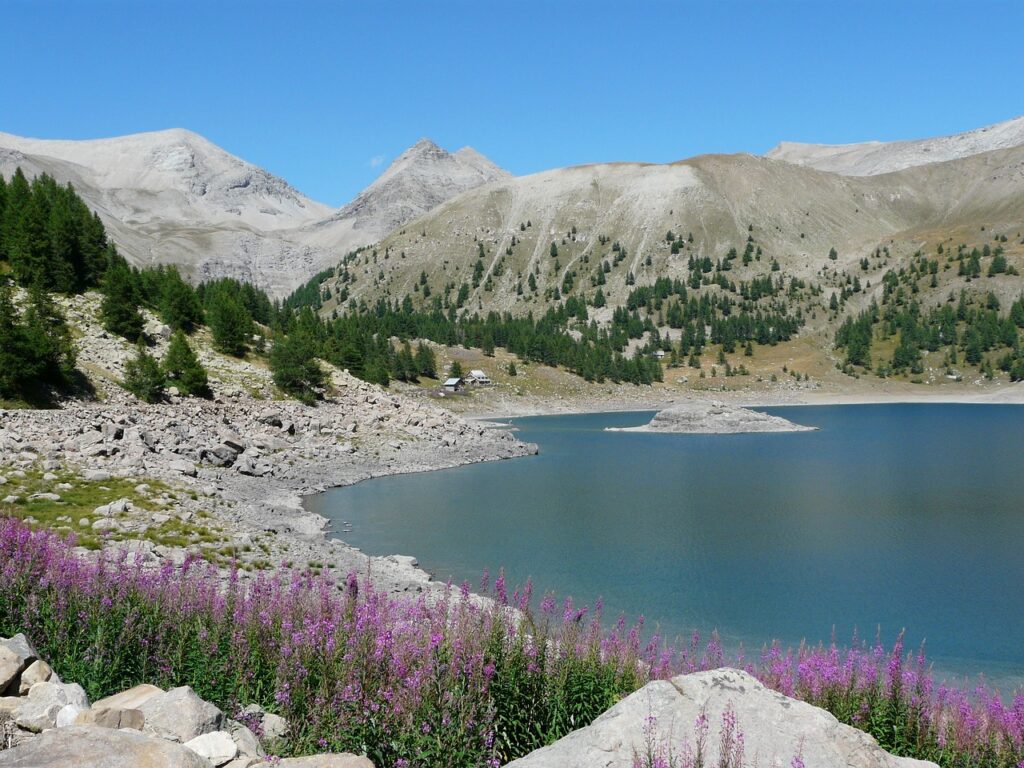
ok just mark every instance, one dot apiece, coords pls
pixel 888 518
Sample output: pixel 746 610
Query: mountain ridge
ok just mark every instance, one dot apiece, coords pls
pixel 877 157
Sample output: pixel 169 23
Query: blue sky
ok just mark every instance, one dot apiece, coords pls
pixel 326 93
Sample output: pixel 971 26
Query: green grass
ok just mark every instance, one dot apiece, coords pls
pixel 79 503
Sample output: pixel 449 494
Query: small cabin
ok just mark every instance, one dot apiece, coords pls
pixel 659 353
pixel 454 384
pixel 478 378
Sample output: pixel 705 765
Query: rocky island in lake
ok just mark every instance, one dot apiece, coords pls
pixel 703 417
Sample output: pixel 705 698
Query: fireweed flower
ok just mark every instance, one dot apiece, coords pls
pixel 355 669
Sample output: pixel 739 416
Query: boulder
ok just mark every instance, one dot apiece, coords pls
pixel 44 497
pixel 11 665
pixel 132 698
pixel 90 747
pixel 180 715
pixel 271 727
pixel 68 715
pixel 182 466
pixel 36 672
pixel 16 653
pixel 45 701
pixel 775 728
pixel 95 475
pixel 220 455
pixel 218 747
pixel 248 744
pixel 112 717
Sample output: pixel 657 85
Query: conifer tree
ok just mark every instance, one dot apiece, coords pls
pixel 143 377
pixel 426 362
pixel 230 324
pixel 179 306
pixel 294 367
pixel 119 309
pixel 182 368
pixel 49 339
pixel 17 364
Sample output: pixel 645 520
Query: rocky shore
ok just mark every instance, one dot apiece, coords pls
pixel 712 417
pixel 235 469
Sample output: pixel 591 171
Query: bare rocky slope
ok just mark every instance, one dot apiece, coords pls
pixel 174 197
pixel 874 157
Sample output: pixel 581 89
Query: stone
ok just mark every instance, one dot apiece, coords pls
pixel 10 704
pixel 67 715
pixel 16 653
pixel 132 698
pixel 270 417
pixel 44 497
pixel 248 744
pixel 11 665
pixel 36 717
pixel 218 747
pixel 66 693
pixel 36 672
pixel 775 728
pixel 182 467
pixel 180 715
pixel 10 499
pixel 44 701
pixel 95 475
pixel 112 717
pixel 273 727
pixel 219 455
pixel 91 747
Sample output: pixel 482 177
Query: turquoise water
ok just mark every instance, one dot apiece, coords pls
pixel 889 517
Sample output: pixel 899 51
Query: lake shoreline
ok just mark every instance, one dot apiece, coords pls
pixel 655 402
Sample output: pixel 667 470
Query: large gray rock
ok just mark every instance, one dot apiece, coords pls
pixel 11 665
pixel 133 698
pixel 775 728
pixel 106 717
pixel 44 702
pixel 180 715
pixel 16 653
pixel 36 672
pixel 271 727
pixel 218 747
pixel 89 747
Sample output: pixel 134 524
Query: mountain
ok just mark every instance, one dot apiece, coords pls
pixel 174 197
pixel 150 179
pixel 875 157
pixel 421 178
pixel 576 229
